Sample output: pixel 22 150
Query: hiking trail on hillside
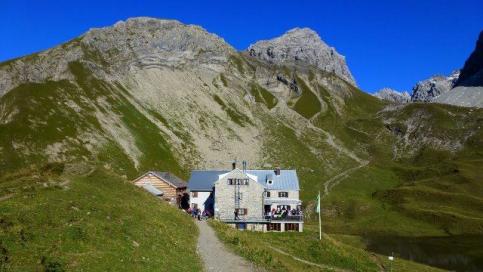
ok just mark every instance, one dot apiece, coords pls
pixel 215 256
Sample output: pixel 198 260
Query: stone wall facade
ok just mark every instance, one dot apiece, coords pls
pixel 251 197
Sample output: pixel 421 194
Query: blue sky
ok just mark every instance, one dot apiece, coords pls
pixel 386 43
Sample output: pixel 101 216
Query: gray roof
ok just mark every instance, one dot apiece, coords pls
pixel 203 180
pixel 153 190
pixel 174 180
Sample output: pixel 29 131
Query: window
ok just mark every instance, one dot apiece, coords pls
pixel 237 181
pixel 194 194
pixel 282 194
pixel 291 227
pixel 194 206
pixel 267 194
pixel 242 211
pixel 273 227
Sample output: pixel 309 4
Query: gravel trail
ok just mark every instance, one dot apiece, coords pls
pixel 215 255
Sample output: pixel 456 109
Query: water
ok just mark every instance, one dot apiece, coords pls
pixel 456 253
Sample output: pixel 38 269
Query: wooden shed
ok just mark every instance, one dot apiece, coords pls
pixel 171 186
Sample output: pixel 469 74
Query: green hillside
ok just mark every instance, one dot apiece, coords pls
pixel 91 221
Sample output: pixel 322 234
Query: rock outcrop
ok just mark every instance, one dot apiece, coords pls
pixel 393 96
pixel 302 46
pixel 468 90
pixel 472 72
pixel 462 96
pixel 427 90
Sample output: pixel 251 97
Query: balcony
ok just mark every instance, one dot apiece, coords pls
pixel 295 218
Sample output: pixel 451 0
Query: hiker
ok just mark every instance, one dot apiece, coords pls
pixel 199 214
pixel 236 214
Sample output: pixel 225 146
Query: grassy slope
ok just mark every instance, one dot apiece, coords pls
pixel 258 248
pixel 97 222
pixel 307 104
pixel 43 116
pixel 93 225
pixel 263 96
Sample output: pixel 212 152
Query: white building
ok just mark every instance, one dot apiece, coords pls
pixel 265 200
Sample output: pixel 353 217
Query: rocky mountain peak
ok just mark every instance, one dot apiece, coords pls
pixel 427 90
pixel 116 50
pixel 393 96
pixel 148 41
pixel 302 46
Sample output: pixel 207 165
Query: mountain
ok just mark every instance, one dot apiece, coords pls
pixel 198 101
pixel 468 91
pixel 472 72
pixel 427 90
pixel 302 46
pixel 393 96
pixel 158 94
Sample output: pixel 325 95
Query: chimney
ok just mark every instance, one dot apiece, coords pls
pixel 277 171
pixel 244 166
pixel 233 165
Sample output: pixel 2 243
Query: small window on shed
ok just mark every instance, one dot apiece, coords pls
pixel 194 194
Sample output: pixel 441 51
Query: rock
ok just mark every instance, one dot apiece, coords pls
pixel 393 96
pixel 144 42
pixel 129 45
pixel 472 72
pixel 462 96
pixel 468 90
pixel 302 46
pixel 427 90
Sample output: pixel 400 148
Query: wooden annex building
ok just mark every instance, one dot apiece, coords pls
pixel 162 184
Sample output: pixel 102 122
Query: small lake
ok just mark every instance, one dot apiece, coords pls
pixel 457 253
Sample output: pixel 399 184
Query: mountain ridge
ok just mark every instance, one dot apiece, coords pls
pixel 302 45
pixel 159 103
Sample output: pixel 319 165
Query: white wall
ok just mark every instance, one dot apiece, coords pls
pixel 291 194
pixel 200 200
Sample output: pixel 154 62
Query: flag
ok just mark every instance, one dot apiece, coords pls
pixel 317 209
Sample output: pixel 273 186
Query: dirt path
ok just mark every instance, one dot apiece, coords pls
pixel 329 184
pixel 323 266
pixel 215 255
pixel 5 197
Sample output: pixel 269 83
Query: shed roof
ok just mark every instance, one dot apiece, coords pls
pixel 204 180
pixel 166 176
pixel 174 180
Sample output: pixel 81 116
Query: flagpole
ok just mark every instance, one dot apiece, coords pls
pixel 320 223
